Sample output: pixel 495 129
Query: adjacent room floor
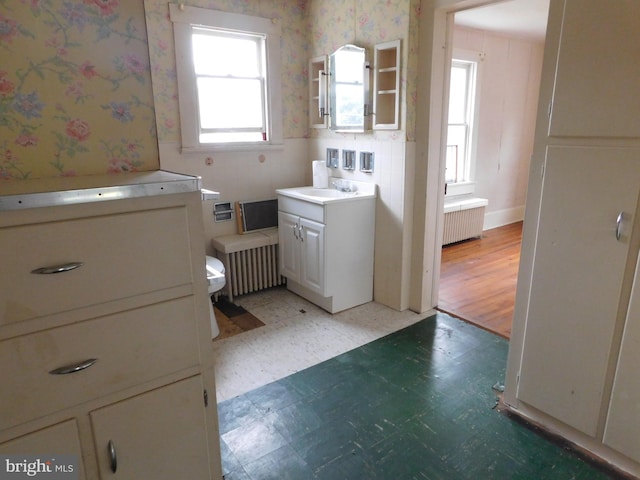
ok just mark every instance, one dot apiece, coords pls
pixel 372 394
pixel 478 278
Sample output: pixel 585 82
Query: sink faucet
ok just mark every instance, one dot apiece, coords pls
pixel 341 186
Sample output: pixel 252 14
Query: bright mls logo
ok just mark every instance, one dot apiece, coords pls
pixel 58 467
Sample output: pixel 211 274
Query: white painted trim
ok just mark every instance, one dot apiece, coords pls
pixel 500 218
pixel 231 21
pixel 477 58
pixel 233 147
pixel 184 18
pixel 461 188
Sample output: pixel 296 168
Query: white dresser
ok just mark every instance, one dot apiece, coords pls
pixel 105 341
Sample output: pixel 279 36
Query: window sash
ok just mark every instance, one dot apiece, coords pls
pixel 227 102
pixel 232 45
pixel 185 19
pixel 459 128
pixel 240 106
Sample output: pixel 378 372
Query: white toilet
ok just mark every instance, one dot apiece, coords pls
pixel 216 280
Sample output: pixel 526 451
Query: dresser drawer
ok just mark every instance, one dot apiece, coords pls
pixel 114 266
pixel 130 348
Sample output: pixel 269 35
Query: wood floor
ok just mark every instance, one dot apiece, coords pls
pixel 478 278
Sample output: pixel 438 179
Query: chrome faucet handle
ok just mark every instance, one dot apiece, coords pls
pixel 342 186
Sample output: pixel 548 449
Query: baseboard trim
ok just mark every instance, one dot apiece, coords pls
pixel 499 218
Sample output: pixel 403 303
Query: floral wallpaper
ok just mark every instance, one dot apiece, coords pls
pixel 75 89
pixel 309 28
pixel 76 96
pixel 294 62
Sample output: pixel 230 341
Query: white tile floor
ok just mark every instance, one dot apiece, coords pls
pixel 296 335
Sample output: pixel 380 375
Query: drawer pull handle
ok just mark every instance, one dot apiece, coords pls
pixel 113 458
pixel 67 369
pixel 67 267
pixel 619 225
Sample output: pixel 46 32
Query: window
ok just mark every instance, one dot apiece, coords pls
pixel 228 69
pixel 231 86
pixel 460 154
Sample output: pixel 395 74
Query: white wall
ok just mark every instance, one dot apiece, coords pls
pixel 393 159
pixel 507 110
pixel 239 176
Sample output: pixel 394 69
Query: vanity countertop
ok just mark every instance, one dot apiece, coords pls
pixel 351 191
pixel 47 192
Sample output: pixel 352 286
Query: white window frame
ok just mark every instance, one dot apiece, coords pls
pixel 468 185
pixel 184 18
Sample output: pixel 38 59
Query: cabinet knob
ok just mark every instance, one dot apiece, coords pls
pixel 113 457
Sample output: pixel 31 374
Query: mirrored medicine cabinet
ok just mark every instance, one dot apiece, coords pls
pixel 339 89
pixel 348 89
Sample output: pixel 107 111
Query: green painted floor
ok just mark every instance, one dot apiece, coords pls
pixel 416 404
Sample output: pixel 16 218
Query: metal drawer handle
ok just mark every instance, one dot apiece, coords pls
pixel 619 225
pixel 113 457
pixel 67 267
pixel 74 368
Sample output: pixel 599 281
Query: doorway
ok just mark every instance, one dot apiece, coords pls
pixel 478 276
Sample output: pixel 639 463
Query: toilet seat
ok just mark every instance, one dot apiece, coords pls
pixel 215 274
pixel 216 280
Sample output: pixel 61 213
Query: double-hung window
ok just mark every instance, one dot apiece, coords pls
pixel 228 68
pixel 461 137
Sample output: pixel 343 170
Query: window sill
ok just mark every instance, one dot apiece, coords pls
pixel 243 147
pixel 462 188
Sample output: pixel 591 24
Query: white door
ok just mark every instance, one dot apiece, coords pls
pixel 289 245
pixel 623 421
pixel 577 279
pixel 585 171
pixel 313 255
pixel 48 443
pixel 596 91
pixel 160 434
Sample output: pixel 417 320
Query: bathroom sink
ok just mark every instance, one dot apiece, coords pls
pixel 325 192
pixel 359 190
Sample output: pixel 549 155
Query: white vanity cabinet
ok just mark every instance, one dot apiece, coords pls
pixel 302 251
pixel 326 243
pixel 105 337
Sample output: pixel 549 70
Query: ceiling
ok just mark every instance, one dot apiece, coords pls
pixel 521 18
